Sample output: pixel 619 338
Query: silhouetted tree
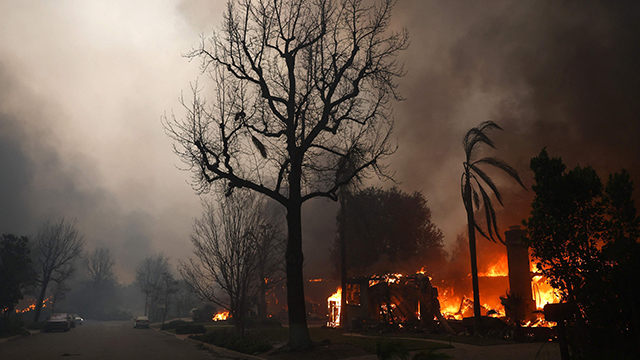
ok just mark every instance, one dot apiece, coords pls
pixel 154 279
pixel 15 272
pixel 474 195
pixel 57 246
pixel 584 238
pixel 236 252
pixel 388 222
pixel 100 265
pixel 299 85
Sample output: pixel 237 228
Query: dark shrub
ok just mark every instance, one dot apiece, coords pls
pixel 204 314
pixel 173 324
pixel 389 349
pixel 232 341
pixel 190 329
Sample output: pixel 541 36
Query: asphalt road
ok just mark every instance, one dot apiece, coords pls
pixel 102 340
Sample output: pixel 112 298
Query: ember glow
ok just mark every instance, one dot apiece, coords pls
pixel 334 303
pixel 32 305
pixel 221 316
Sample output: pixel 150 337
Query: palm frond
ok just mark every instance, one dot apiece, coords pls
pixel 502 165
pixel 487 180
pixel 473 137
pixel 479 229
pixel 476 198
pixel 489 212
pixel 490 125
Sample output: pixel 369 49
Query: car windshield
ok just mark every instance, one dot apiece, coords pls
pixel 142 318
pixel 58 316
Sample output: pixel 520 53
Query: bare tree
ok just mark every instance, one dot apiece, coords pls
pixel 235 250
pixel 301 87
pixel 155 280
pixel 57 246
pixel 100 265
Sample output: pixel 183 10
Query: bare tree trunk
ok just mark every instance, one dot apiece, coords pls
pixel 299 337
pixel 343 266
pixel 262 299
pixel 40 300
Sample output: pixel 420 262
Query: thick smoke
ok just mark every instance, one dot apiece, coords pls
pixel 561 75
pixel 82 88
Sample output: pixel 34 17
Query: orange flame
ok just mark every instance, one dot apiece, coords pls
pixel 499 268
pixel 221 316
pixel 334 303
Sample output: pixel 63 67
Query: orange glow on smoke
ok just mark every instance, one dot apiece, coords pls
pixel 221 316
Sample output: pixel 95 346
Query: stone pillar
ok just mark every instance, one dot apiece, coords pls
pixel 519 267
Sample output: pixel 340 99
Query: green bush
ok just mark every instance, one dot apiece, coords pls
pixel 232 341
pixel 190 329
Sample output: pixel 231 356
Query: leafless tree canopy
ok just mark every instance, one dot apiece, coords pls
pixel 294 81
pixel 100 265
pixel 155 280
pixel 300 107
pixel 57 246
pixel 237 248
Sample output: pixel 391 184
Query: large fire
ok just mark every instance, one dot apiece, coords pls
pixel 455 296
pixel 221 316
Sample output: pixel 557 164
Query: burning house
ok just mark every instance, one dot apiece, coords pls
pixel 401 299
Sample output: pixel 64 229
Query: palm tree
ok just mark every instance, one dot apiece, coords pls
pixel 474 194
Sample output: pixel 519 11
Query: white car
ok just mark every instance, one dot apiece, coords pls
pixel 141 322
pixel 79 320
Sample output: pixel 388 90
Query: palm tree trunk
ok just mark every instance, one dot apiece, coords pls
pixel 473 254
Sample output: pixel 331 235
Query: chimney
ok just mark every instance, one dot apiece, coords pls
pixel 519 268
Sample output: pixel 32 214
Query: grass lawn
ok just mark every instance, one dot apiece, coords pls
pixel 280 336
pixel 471 340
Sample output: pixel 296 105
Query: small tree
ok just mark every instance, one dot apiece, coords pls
pixel 57 246
pixel 155 280
pixel 299 85
pixel 15 272
pixel 472 185
pixel 100 265
pixel 235 254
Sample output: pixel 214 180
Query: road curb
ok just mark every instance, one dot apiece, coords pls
pixel 10 338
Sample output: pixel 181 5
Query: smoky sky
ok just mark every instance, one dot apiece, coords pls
pixel 83 87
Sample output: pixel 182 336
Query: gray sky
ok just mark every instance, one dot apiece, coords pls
pixel 83 85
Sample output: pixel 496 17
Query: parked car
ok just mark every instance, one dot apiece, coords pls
pixel 60 321
pixel 79 320
pixel 72 319
pixel 141 322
